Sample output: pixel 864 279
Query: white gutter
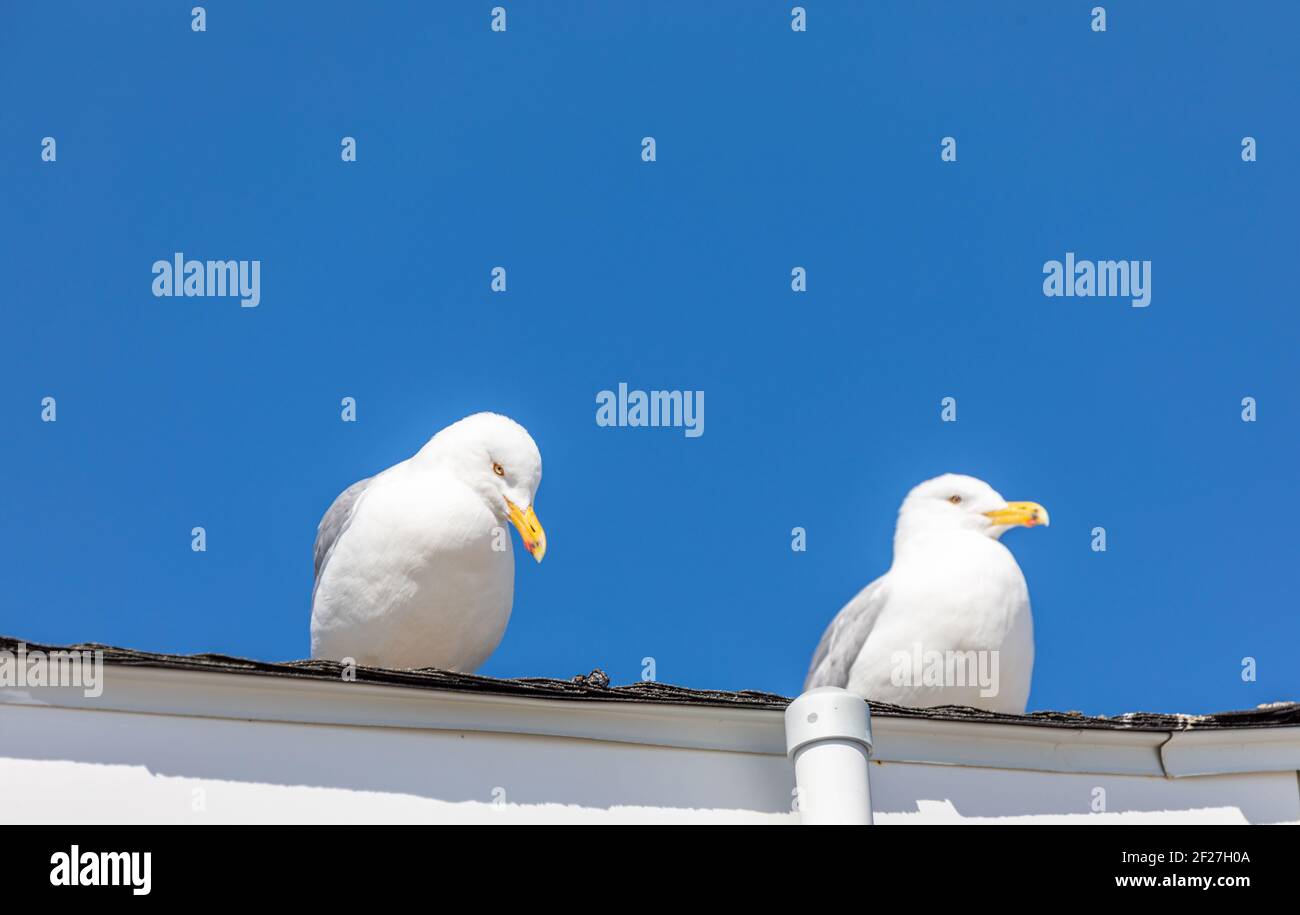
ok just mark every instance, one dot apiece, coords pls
pixel 207 694
pixel 828 735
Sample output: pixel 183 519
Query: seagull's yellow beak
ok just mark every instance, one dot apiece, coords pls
pixel 530 529
pixel 1026 514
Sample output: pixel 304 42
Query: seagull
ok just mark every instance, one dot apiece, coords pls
pixel 414 566
pixel 949 623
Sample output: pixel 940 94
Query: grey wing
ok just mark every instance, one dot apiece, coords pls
pixel 844 637
pixel 334 524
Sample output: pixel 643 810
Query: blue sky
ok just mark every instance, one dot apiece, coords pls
pixel 774 149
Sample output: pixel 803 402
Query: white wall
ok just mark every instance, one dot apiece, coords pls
pixel 83 765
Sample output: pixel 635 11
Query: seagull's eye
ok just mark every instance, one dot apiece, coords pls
pixel 955 500
pixel 498 470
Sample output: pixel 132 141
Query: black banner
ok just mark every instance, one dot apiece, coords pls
pixel 329 863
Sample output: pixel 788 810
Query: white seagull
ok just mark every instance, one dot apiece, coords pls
pixel 414 566
pixel 949 623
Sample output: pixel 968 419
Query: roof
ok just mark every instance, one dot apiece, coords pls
pixel 595 686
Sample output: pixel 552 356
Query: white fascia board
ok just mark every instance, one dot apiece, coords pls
pixel 1231 750
pixel 1012 746
pixel 205 694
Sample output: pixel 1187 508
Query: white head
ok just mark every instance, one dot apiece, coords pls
pixel 954 502
pixel 497 458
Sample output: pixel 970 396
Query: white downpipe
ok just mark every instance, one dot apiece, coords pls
pixel 828 735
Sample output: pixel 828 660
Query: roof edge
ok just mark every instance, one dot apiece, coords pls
pixel 318 702
pixel 592 689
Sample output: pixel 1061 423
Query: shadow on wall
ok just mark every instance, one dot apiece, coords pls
pixel 457 767
pixel 449 766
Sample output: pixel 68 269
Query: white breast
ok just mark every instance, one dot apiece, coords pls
pixel 959 599
pixel 423 577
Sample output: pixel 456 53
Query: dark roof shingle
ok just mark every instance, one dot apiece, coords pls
pixel 595 687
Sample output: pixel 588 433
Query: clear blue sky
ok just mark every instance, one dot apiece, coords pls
pixel 774 149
